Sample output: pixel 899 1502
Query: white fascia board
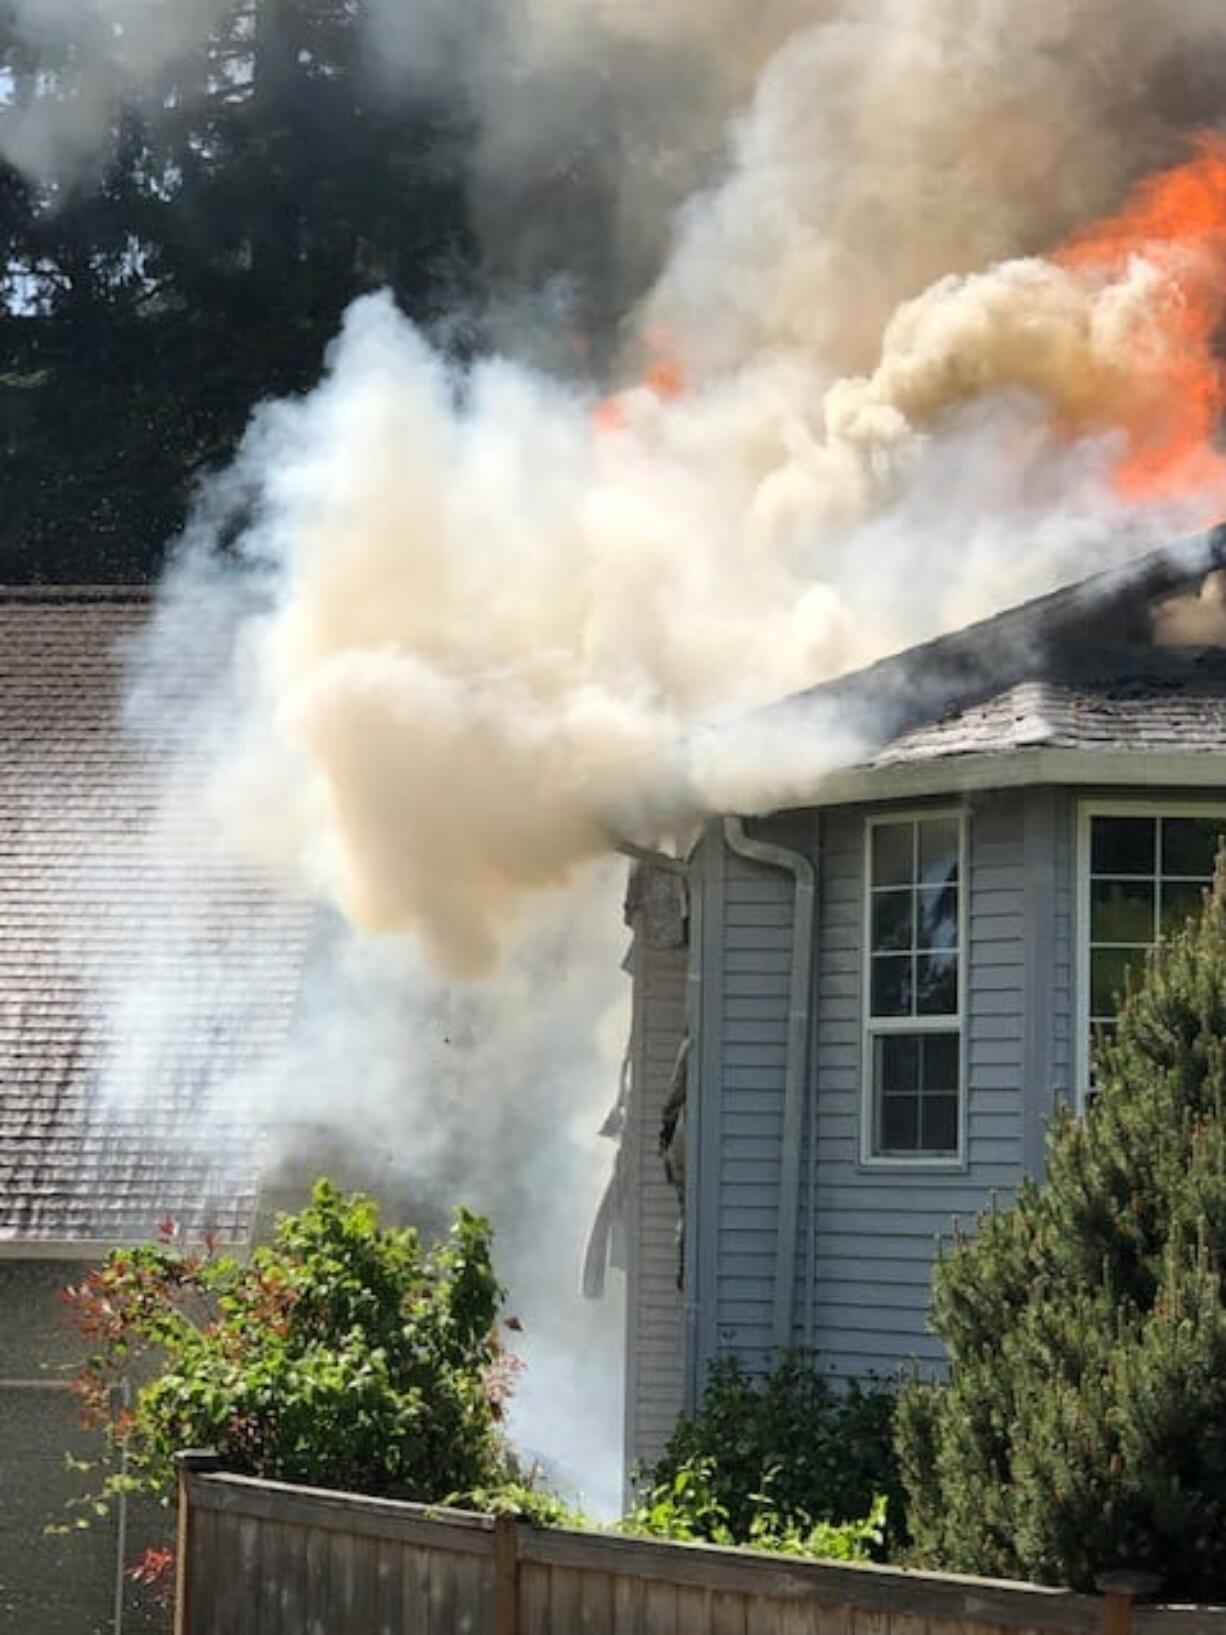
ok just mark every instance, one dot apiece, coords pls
pixel 960 774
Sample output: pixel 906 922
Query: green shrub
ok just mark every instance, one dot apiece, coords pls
pixel 687 1509
pixel 1083 1426
pixel 341 1355
pixel 793 1448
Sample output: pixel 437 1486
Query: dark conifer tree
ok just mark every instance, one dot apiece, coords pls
pixel 1083 1426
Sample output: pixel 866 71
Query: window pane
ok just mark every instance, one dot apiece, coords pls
pixel 1181 899
pixel 937 918
pixel 898 1062
pixel 1190 845
pixel 1123 845
pixel 899 1124
pixel 940 1061
pixel 1108 967
pixel 936 985
pixel 891 985
pixel 939 1124
pixel 938 851
pixel 1121 911
pixel 893 854
pixel 893 920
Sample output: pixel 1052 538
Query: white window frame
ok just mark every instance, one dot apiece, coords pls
pixel 871 1027
pixel 1087 810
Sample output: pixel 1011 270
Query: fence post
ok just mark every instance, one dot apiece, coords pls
pixel 1119 1590
pixel 192 1462
pixel 506 1576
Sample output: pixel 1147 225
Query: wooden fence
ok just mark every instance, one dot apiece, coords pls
pixel 259 1558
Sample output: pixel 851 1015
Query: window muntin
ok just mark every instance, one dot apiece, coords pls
pixel 1147 874
pixel 914 987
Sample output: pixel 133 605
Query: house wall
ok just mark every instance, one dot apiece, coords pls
pixel 51 1585
pixel 866 1236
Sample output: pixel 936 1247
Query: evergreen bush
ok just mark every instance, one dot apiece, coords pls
pixel 1083 1425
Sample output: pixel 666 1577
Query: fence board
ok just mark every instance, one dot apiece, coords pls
pixel 473 1591
pixel 832 1620
pixel 629 1606
pixel 317 1582
pixel 272 1577
pixel 364 1600
pixel 566 1599
pixel 389 1588
pixel 762 1615
pixel 416 1580
pixel 597 1614
pixel 693 1612
pixel 293 1593
pixel 660 1609
pixel 727 1614
pixel 534 1600
pixel 442 1593
pixel 341 1576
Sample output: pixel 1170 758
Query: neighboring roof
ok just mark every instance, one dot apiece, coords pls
pixel 138 974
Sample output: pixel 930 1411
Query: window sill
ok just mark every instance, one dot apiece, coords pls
pixel 919 1165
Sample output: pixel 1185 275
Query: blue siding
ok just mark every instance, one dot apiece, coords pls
pixel 863 1301
pixel 754 982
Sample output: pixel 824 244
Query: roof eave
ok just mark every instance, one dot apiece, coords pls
pixel 965 774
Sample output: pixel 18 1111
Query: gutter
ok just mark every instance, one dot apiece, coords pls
pixel 804 874
pixel 653 859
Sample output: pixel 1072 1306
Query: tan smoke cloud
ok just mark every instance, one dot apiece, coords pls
pixel 508 628
pixel 896 142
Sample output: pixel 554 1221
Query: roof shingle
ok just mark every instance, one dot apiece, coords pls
pixel 139 972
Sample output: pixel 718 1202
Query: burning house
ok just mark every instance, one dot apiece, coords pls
pixel 876 998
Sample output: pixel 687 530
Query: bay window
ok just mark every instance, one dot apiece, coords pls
pixel 1144 872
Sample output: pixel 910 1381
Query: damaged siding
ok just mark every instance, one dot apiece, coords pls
pixel 655 1348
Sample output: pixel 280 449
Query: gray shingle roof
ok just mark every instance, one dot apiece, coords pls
pixel 138 972
pixel 1169 704
pixel 972 669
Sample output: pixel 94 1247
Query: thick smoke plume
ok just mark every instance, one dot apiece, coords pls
pixel 492 623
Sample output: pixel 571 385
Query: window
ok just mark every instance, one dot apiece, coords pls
pixel 913 1023
pixel 1144 873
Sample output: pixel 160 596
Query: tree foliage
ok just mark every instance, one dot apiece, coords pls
pixel 1083 1426
pixel 244 198
pixel 340 1355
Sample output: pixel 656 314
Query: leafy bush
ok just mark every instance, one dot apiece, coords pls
pixel 787 1454
pixel 341 1355
pixel 686 1508
pixel 1083 1426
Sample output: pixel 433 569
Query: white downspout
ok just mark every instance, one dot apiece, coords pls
pixel 803 873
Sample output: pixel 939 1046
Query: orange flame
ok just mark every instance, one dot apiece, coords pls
pixel 1175 222
pixel 663 376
